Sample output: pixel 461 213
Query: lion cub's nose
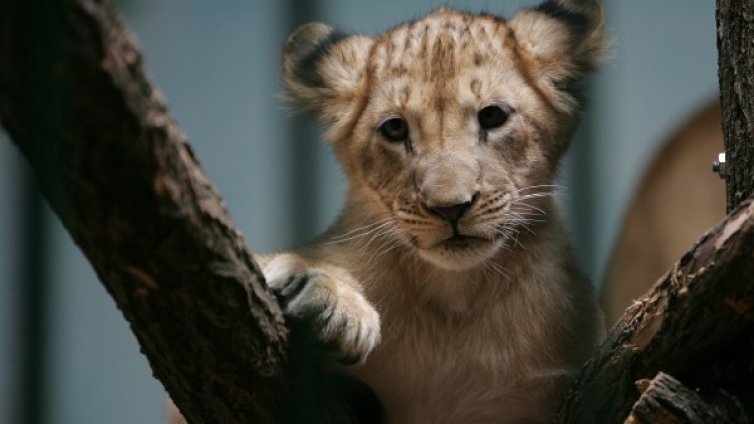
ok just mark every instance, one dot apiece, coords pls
pixel 453 213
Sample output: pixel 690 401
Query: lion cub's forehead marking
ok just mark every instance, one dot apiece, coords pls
pixel 444 63
pixel 441 45
pixel 437 70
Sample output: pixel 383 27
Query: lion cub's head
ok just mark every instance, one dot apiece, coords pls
pixel 450 126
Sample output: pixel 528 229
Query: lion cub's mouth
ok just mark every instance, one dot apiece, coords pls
pixel 460 251
pixel 462 244
pixel 461 241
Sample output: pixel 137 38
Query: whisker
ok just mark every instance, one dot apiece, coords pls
pixel 392 246
pixel 518 219
pixel 493 266
pixel 360 230
pixel 367 230
pixel 386 244
pixel 520 202
pixel 535 196
pixel 553 187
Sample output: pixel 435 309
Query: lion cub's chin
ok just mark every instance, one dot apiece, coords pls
pixel 459 255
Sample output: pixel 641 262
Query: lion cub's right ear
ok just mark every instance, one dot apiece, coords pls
pixel 324 68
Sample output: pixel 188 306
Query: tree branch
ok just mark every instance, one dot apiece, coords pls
pixel 122 178
pixel 666 400
pixel 735 30
pixel 696 324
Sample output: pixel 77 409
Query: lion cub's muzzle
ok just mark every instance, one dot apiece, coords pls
pixel 448 185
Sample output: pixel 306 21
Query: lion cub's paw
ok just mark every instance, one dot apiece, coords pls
pixel 338 317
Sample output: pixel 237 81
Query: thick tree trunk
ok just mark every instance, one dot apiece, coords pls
pixel 121 177
pixel 123 180
pixel 735 44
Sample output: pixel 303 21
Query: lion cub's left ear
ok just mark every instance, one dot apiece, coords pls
pixel 324 69
pixel 564 37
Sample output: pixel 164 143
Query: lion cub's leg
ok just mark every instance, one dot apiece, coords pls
pixel 328 301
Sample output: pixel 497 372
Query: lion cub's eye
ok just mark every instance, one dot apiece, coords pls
pixel 394 129
pixel 493 116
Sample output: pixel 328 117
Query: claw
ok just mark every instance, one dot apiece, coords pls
pixel 287 292
pixel 345 325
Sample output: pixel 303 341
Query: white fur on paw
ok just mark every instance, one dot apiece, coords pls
pixel 277 271
pixel 352 324
pixel 340 316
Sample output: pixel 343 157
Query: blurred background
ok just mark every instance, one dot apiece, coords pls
pixel 66 353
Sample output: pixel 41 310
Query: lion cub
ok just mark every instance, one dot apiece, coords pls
pixel 448 278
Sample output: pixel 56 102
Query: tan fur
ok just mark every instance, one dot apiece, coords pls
pixel 488 328
pixel 485 330
pixel 678 199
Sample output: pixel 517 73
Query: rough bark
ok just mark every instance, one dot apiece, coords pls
pixel 666 400
pixel 735 33
pixel 696 324
pixel 120 175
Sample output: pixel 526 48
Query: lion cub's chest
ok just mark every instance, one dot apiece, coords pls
pixel 428 369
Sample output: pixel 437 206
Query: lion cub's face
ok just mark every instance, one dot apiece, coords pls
pixel 452 124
